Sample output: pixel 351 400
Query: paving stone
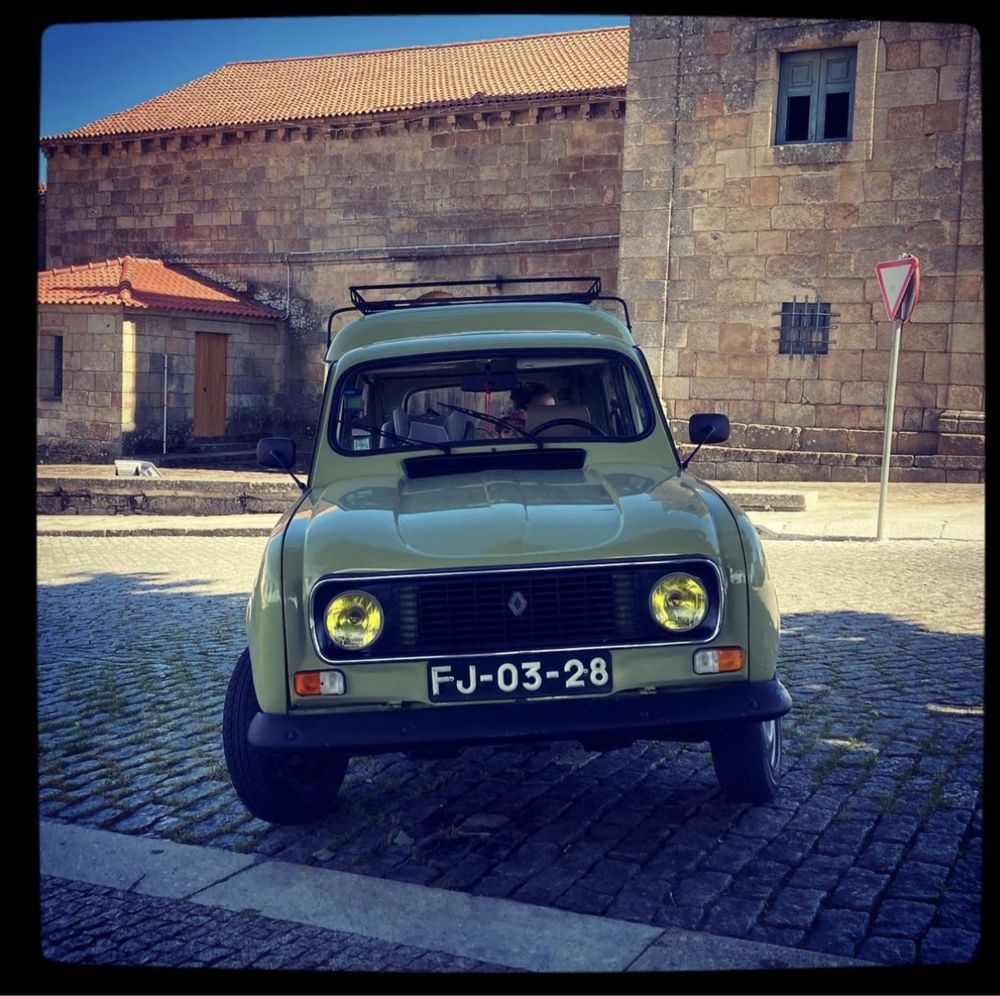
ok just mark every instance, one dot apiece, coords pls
pixel 790 847
pixel 733 917
pixel 763 879
pixel 959 911
pixel 903 918
pixel 581 900
pixel 838 931
pixel 731 855
pixel 936 848
pixel 895 828
pixel 637 901
pixel 794 908
pixel 948 945
pixel 684 917
pixel 785 936
pixel 918 880
pixel 545 886
pixel 859 889
pixel 608 876
pixel 700 889
pixel 844 836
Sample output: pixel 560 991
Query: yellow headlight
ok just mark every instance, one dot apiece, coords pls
pixel 678 602
pixel 354 620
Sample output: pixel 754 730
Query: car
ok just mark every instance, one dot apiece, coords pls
pixel 499 543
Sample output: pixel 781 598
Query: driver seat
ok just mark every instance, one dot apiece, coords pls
pixel 536 415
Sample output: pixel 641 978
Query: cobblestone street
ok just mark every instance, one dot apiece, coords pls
pixel 873 850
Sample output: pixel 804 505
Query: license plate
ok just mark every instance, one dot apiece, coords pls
pixel 580 673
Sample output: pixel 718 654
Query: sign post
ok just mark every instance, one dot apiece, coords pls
pixel 899 282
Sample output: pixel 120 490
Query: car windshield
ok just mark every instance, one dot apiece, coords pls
pixel 503 397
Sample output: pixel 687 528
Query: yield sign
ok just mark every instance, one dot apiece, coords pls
pixel 894 279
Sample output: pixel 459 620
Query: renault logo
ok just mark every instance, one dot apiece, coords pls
pixel 517 604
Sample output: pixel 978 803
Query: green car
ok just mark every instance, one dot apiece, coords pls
pixel 499 543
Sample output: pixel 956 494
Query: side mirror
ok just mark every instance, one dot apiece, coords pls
pixel 708 428
pixel 277 452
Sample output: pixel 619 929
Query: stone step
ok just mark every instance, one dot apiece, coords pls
pixel 64 495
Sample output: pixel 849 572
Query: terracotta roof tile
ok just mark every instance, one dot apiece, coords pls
pixel 404 79
pixel 143 283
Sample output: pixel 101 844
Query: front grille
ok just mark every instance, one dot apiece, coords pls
pixel 557 609
pixel 506 611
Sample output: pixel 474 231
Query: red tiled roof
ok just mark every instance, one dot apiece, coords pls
pixel 404 79
pixel 143 283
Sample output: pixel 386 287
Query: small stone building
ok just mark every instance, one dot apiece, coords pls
pixel 128 347
pixel 734 179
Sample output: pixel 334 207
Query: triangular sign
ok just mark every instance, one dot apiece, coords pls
pixel 894 278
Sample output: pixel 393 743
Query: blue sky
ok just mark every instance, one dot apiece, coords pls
pixel 90 70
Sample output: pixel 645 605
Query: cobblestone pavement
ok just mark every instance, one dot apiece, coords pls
pixel 873 850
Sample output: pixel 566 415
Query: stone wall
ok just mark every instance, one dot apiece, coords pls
pixel 720 226
pixel 86 421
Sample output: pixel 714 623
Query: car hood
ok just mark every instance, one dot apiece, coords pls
pixel 501 517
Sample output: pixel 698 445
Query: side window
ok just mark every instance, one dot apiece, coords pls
pixel 816 96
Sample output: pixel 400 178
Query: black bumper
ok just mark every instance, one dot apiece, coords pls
pixel 666 715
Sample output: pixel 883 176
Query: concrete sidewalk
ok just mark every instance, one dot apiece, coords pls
pixel 826 512
pixel 494 934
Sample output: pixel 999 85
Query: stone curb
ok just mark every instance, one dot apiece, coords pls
pixel 499 931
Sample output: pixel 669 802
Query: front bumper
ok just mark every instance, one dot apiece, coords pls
pixel 691 714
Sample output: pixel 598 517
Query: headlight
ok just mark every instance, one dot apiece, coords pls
pixel 678 602
pixel 353 620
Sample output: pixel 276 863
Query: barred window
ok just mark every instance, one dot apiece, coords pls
pixel 50 367
pixel 805 327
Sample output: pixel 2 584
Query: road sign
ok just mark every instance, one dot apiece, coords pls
pixel 899 282
pixel 897 277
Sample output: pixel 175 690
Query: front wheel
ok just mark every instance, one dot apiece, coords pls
pixel 285 788
pixel 747 759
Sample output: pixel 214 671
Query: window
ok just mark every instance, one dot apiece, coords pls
pixel 476 398
pixel 805 327
pixel 816 96
pixel 50 367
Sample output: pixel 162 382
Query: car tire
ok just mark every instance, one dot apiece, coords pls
pixel 747 759
pixel 278 788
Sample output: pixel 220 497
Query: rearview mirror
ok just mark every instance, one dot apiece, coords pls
pixel 481 383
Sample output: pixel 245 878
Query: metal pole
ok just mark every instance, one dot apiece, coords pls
pixel 164 402
pixel 887 442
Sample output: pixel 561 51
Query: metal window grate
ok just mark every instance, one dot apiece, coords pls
pixel 805 327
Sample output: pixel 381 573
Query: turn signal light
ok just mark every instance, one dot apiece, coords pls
pixel 717 660
pixel 320 683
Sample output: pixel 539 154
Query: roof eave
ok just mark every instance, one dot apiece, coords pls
pixel 429 109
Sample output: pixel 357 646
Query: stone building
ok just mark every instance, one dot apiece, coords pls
pixel 769 163
pixel 130 348
pixel 716 172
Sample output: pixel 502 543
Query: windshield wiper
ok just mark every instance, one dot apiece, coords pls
pixel 438 445
pixel 499 422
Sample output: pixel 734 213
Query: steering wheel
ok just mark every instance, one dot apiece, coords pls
pixel 579 422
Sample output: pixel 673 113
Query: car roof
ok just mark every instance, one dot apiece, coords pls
pixel 453 320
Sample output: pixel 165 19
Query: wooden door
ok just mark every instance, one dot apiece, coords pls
pixel 210 384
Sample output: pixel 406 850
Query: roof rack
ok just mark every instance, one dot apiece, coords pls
pixel 367 305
